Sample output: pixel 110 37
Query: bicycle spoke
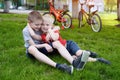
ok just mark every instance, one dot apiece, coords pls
pixel 66 21
pixel 82 20
pixel 96 23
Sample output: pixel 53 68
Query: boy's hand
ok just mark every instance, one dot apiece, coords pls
pixel 48 48
pixel 56 28
pixel 53 35
pixel 48 37
pixel 50 30
pixel 45 45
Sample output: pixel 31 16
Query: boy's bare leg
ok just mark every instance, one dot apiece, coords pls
pixel 79 52
pixel 40 56
pixel 63 51
pixel 90 59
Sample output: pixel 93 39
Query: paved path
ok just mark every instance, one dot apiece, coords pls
pixel 21 11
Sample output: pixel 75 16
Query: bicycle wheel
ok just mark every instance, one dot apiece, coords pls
pixel 66 21
pixel 50 16
pixel 96 23
pixel 81 19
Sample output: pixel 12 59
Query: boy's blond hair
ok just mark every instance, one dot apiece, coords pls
pixel 48 19
pixel 34 15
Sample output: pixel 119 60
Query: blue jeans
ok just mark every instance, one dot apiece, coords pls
pixel 72 47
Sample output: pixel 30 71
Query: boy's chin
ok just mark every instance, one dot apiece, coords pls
pixel 45 31
pixel 37 30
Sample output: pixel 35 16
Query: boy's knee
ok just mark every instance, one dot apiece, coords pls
pixel 31 49
pixel 56 44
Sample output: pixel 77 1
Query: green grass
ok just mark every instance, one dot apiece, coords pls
pixel 14 65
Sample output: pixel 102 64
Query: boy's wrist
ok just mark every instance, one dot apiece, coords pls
pixel 49 30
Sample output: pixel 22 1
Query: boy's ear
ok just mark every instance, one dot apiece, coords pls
pixel 29 21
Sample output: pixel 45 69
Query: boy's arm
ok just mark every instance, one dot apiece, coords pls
pixel 32 33
pixel 48 36
pixel 45 45
pixel 31 42
pixel 53 35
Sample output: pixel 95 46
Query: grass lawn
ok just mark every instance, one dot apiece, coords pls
pixel 14 65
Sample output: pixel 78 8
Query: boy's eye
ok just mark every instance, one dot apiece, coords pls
pixel 37 24
pixel 45 24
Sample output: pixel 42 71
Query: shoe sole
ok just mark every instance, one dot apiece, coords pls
pixel 71 69
pixel 84 59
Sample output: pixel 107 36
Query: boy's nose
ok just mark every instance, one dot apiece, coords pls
pixel 39 26
pixel 46 26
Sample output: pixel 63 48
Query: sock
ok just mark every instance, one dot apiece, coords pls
pixel 57 65
pixel 76 61
pixel 73 63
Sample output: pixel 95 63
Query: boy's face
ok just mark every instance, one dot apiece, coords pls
pixel 36 25
pixel 46 25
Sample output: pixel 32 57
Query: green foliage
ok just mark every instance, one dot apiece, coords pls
pixel 110 5
pixel 14 65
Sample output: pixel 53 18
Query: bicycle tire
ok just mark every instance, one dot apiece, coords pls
pixel 96 23
pixel 68 22
pixel 52 16
pixel 81 19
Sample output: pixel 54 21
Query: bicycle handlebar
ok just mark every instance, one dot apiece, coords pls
pixel 50 2
pixel 89 3
pixel 81 3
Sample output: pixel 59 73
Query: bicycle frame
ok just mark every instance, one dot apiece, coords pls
pixel 88 14
pixel 57 13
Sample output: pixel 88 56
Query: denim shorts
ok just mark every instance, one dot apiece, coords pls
pixel 72 47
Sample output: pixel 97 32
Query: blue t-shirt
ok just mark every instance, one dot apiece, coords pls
pixel 27 37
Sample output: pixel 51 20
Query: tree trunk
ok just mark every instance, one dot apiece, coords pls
pixel 75 8
pixel 118 9
pixel 6 6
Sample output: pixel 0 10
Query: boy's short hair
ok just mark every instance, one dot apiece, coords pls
pixel 48 19
pixel 34 15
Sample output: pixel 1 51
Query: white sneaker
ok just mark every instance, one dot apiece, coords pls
pixel 84 59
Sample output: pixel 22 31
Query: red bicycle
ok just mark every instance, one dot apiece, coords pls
pixel 59 15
